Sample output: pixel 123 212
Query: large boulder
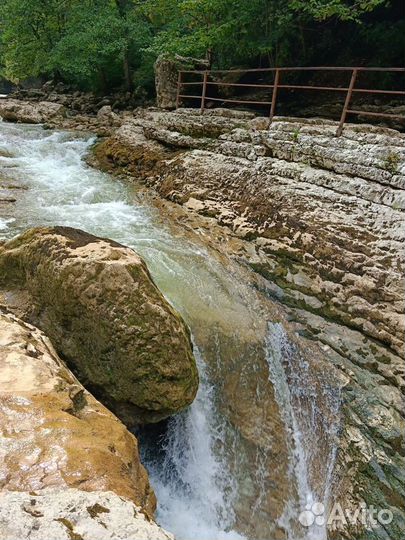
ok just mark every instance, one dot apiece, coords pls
pixel 74 515
pixel 97 302
pixel 26 112
pixel 55 434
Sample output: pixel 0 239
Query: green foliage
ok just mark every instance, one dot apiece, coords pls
pixel 235 30
pixel 85 42
pixel 296 135
pixel 345 10
pixel 29 30
pixel 98 44
pixel 268 31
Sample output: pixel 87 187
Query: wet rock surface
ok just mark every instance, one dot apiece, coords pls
pixel 54 433
pixel 97 302
pixel 74 515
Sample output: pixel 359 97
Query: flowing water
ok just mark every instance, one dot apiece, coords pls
pixel 293 384
pixel 209 465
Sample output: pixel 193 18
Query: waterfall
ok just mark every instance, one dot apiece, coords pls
pixel 193 484
pixel 301 410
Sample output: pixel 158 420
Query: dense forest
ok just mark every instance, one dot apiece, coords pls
pixel 103 44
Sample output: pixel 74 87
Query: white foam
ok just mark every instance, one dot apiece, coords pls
pixel 192 480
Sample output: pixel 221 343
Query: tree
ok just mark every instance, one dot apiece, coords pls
pixel 29 30
pixel 94 43
pixel 241 30
pixel 345 10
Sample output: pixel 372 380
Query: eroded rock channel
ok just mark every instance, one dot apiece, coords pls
pixel 295 307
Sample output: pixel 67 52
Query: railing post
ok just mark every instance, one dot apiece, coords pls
pixel 204 91
pixel 274 96
pixel 179 81
pixel 347 103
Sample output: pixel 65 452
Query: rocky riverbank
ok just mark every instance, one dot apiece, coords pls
pixel 322 219
pixel 125 342
pixel 327 212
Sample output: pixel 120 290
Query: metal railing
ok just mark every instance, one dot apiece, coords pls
pixel 206 83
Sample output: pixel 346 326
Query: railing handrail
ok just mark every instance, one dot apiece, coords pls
pixel 295 68
pixel 276 86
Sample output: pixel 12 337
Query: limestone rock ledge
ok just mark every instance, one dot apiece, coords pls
pixel 74 515
pixel 327 212
pixel 97 302
pixel 53 432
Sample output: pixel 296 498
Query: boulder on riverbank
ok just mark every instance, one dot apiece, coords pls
pixel 27 112
pixel 166 77
pixel 55 434
pixel 97 302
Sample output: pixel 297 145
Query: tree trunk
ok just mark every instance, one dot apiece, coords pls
pixel 123 7
pixel 127 72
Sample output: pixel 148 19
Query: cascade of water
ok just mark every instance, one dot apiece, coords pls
pixel 301 410
pixel 194 486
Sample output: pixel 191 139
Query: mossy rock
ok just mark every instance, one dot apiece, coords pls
pixel 106 317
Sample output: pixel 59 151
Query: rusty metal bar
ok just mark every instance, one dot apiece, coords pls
pixel 274 96
pixel 190 96
pixel 204 91
pixel 366 91
pixel 342 89
pixel 306 87
pixel 179 84
pixel 318 68
pixel 212 83
pixel 225 100
pixel 369 113
pixel 347 103
pixel 303 87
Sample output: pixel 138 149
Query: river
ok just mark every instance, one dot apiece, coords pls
pixel 236 465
